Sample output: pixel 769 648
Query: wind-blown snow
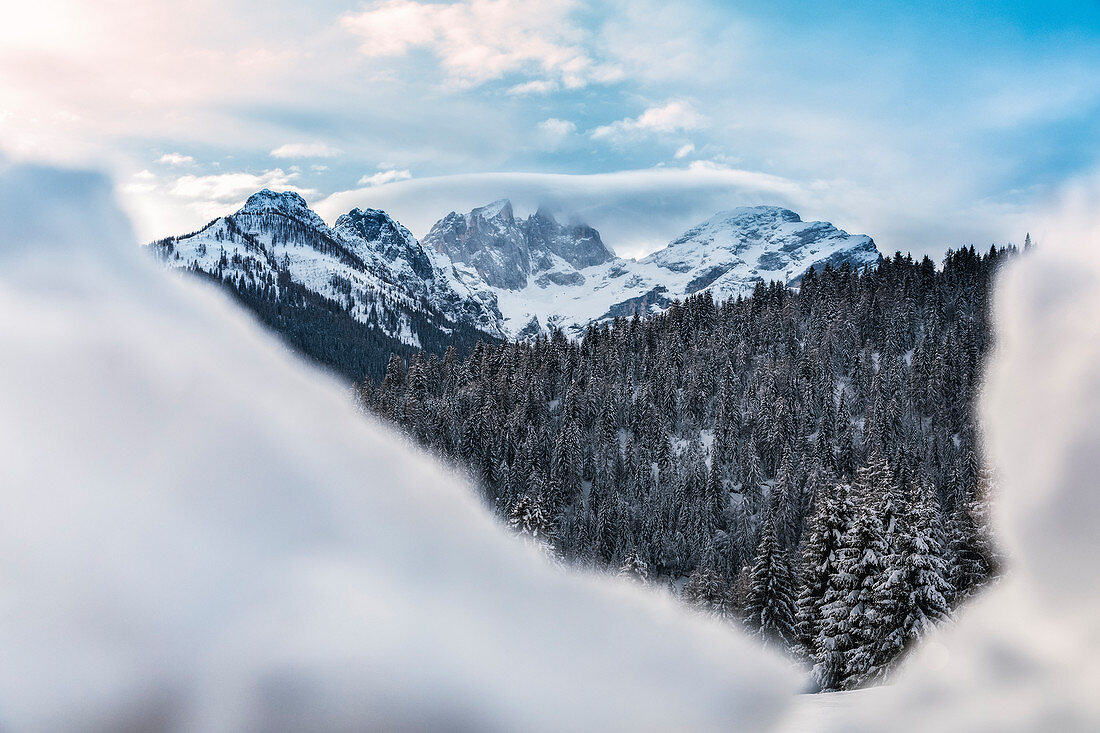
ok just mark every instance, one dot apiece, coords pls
pixel 198 532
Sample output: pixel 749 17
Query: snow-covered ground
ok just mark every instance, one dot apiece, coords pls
pixel 823 712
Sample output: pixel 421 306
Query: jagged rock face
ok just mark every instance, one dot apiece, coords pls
pixel 373 233
pixel 578 244
pixel 487 239
pixel 506 252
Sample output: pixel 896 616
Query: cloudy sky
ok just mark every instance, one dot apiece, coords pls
pixel 926 125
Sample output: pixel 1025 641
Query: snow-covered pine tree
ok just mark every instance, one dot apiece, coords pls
pixel 634 567
pixel 530 520
pixel 914 589
pixel 844 647
pixel 769 608
pixel 972 551
pixel 824 537
pixel 866 553
pixel 706 590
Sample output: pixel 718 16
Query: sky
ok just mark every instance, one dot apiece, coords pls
pixel 927 125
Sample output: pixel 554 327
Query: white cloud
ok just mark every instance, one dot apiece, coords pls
pixel 175 159
pixel 676 115
pixel 553 132
pixel 480 40
pixel 685 150
pixel 144 181
pixel 636 211
pixel 305 150
pixel 535 86
pixel 232 187
pixel 383 177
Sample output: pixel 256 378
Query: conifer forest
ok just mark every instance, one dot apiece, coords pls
pixel 801 462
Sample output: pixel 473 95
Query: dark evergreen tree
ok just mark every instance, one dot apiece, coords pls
pixel 769 609
pixel 826 531
pixel 674 439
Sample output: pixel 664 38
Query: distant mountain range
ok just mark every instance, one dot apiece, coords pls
pixel 349 294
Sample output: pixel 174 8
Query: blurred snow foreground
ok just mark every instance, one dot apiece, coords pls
pixel 198 532
pixel 1026 656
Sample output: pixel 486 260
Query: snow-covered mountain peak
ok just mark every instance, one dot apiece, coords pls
pixel 507 252
pixel 501 208
pixel 762 243
pixel 502 274
pixel 371 225
pixel 373 232
pixel 368 268
pixel 287 203
pixel 545 213
pixel 758 212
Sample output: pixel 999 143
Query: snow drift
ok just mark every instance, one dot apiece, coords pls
pixel 198 532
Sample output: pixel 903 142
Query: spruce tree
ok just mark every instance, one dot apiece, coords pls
pixel 827 527
pixel 867 552
pixel 634 567
pixel 769 609
pixel 915 587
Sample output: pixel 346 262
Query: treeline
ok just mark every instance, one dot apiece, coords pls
pixel 804 462
pixel 323 330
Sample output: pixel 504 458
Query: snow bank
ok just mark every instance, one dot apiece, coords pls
pixel 197 532
pixel 1026 656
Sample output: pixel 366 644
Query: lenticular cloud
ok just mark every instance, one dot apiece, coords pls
pixel 198 532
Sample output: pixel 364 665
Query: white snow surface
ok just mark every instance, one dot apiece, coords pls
pixel 199 532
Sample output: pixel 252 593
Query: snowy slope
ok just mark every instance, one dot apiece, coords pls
pixel 728 254
pixel 733 250
pixel 504 275
pixel 199 533
pixel 368 264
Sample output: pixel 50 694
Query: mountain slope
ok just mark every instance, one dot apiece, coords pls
pixel 346 296
pixel 507 252
pixel 349 295
pixel 733 250
pixel 545 275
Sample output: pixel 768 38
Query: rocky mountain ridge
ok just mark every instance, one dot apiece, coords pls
pixel 489 273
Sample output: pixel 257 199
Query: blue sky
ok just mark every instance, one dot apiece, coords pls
pixel 926 125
